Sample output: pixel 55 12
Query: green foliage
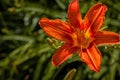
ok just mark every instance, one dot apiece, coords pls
pixel 25 53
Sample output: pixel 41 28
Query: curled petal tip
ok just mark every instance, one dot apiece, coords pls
pixel 55 64
pixel 97 70
pixel 94 68
pixel 42 20
pixel 105 8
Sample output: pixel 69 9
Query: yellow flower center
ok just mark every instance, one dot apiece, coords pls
pixel 82 39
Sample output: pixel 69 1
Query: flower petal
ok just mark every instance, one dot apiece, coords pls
pixel 95 17
pixel 106 37
pixel 92 57
pixel 74 15
pixel 63 53
pixel 56 29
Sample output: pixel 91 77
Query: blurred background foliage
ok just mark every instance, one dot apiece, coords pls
pixel 26 51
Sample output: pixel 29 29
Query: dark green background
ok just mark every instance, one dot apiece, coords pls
pixel 26 51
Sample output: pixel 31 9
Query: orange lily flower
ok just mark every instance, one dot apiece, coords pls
pixel 80 35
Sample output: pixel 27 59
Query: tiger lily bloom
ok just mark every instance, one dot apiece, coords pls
pixel 80 35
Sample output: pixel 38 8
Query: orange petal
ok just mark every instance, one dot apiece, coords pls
pixel 56 29
pixel 63 53
pixel 95 17
pixel 92 57
pixel 106 37
pixel 74 15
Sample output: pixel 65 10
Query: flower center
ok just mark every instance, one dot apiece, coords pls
pixel 82 39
